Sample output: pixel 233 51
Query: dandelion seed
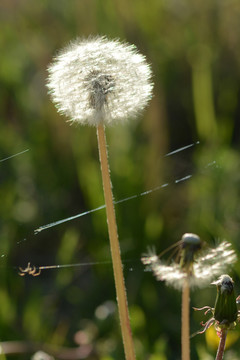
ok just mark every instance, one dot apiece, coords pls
pixel 97 80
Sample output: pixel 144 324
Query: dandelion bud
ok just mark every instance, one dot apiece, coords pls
pixel 97 80
pixel 225 311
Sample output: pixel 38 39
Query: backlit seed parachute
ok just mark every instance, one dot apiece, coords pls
pixel 206 266
pixel 96 79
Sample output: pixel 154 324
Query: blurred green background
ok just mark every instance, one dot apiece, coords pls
pixel 194 50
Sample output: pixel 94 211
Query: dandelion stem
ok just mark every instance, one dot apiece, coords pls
pixel 221 345
pixel 185 322
pixel 115 248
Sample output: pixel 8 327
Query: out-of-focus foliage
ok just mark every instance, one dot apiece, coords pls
pixel 194 50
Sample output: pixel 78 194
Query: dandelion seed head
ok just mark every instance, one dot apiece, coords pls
pixel 206 266
pixel 97 80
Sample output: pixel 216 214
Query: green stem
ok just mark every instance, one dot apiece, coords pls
pixel 185 322
pixel 221 345
pixel 115 248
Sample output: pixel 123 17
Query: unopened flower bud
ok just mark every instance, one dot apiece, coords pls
pixel 225 311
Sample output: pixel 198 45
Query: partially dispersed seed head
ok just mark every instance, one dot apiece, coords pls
pixel 198 266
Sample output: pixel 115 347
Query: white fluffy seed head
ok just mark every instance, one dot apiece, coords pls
pixel 96 80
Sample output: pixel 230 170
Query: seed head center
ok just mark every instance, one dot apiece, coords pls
pixel 99 86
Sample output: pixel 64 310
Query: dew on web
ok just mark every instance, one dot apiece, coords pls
pixel 147 192
pixel 21 241
pixel 182 149
pixel 14 155
pixel 58 222
pixel 34 270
